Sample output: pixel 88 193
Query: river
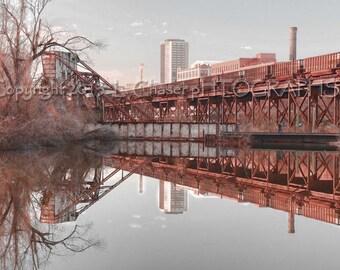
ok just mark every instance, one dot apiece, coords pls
pixel 169 205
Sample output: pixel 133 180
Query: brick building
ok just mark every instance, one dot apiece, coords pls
pixel 235 65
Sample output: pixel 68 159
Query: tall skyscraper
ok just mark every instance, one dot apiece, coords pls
pixel 174 54
pixel 172 198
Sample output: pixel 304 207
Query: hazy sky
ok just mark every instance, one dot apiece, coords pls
pixel 215 30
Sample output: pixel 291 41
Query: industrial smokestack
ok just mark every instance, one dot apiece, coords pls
pixel 291 222
pixel 292 53
pixel 291 217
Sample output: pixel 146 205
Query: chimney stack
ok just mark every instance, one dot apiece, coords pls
pixel 291 216
pixel 292 54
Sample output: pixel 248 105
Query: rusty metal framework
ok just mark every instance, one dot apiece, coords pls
pixel 311 171
pixel 299 96
pixel 80 198
pixel 303 99
pixel 306 183
pixel 302 109
pixel 82 79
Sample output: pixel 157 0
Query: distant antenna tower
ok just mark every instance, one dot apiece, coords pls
pixel 141 72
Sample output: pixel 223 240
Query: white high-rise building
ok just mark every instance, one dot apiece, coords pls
pixel 174 55
pixel 172 198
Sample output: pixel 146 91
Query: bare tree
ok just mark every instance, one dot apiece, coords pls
pixel 25 242
pixel 25 37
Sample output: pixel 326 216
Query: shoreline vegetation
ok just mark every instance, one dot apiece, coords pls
pixel 26 36
pixel 55 123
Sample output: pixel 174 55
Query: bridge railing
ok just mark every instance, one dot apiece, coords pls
pixel 322 62
pixel 283 69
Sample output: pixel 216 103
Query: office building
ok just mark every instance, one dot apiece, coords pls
pixel 198 69
pixel 174 55
pixel 172 198
pixel 237 64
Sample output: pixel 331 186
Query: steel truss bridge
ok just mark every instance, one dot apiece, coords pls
pixel 296 182
pixel 295 97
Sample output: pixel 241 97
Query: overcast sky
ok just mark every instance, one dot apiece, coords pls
pixel 215 29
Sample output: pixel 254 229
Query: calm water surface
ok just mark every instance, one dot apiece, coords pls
pixel 169 206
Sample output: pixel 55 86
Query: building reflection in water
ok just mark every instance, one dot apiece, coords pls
pixel 35 186
pixel 173 199
pixel 61 186
pixel 297 182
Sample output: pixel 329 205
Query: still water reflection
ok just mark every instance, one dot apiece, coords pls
pixel 169 206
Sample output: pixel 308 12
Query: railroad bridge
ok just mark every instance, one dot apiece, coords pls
pixel 297 182
pixel 294 97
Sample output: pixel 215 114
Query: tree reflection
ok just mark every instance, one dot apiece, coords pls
pixel 26 181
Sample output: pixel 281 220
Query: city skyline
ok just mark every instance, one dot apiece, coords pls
pixel 137 28
pixel 192 134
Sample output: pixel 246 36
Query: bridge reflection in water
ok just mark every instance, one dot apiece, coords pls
pixel 298 182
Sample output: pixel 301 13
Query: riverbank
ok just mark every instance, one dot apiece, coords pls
pixel 56 122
